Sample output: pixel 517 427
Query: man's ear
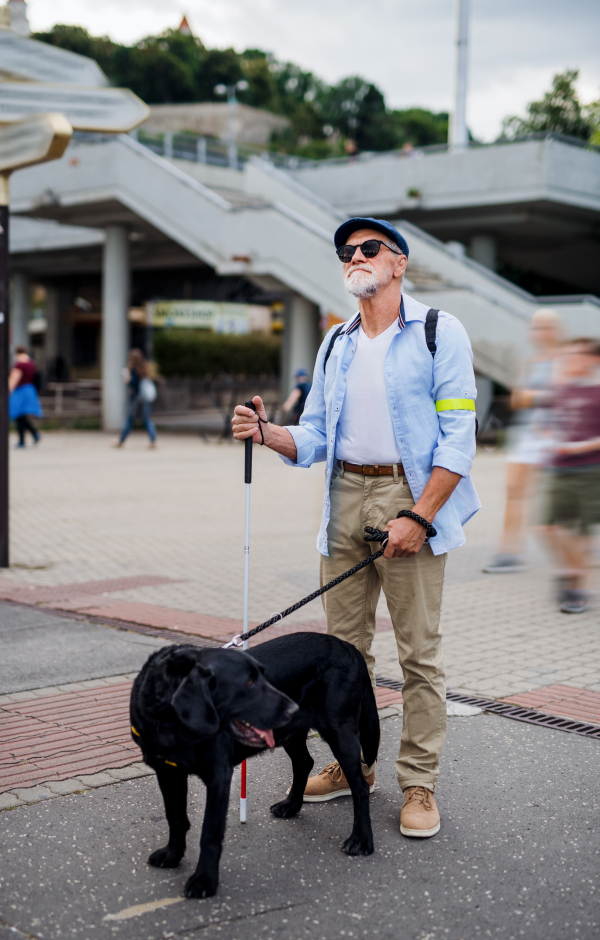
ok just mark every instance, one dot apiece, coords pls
pixel 193 704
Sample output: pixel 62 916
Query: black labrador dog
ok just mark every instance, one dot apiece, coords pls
pixel 203 711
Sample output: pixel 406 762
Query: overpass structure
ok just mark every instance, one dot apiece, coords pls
pixel 532 204
pixel 114 207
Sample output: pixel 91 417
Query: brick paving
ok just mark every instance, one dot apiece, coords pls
pixel 60 736
pixel 563 700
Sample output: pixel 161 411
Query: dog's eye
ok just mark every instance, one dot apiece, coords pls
pixel 251 683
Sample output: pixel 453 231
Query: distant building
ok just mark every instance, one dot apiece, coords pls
pixel 18 17
pixel 185 28
pixel 209 119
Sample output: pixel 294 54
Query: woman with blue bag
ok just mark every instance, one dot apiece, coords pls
pixel 142 391
pixel 23 401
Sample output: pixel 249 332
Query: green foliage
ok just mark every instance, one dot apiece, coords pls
pixel 198 353
pixel 174 67
pixel 419 127
pixel 560 110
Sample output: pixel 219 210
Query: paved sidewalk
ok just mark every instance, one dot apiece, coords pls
pixel 136 535
pixel 516 857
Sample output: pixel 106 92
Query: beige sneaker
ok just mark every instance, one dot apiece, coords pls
pixel 331 783
pixel 419 815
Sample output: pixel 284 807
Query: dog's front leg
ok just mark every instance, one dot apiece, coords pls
pixel 203 883
pixel 173 786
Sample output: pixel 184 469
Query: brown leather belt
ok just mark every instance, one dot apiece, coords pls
pixel 368 470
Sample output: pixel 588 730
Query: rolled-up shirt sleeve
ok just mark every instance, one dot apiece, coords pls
pixel 454 392
pixel 310 436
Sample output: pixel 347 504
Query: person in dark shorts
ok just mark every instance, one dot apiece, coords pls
pixel 572 505
pixel 296 400
pixel 23 401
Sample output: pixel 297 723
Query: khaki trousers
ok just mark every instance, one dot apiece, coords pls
pixel 413 590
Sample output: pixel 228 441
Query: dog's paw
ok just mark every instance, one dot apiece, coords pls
pixel 358 845
pixel 165 858
pixel 286 809
pixel 201 886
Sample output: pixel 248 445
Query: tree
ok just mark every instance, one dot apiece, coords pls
pixel 420 128
pixel 560 110
pixel 175 67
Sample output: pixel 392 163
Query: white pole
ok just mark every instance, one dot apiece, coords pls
pixel 245 626
pixel 459 135
pixel 247 481
pixel 232 156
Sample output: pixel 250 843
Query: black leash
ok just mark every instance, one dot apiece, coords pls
pixel 373 535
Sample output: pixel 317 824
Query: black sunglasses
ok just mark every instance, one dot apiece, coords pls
pixel 369 249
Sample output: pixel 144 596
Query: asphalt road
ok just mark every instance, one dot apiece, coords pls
pixel 517 856
pixel 40 649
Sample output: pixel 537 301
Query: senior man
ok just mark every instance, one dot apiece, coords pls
pixel 391 411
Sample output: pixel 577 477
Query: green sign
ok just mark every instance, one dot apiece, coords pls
pixel 200 314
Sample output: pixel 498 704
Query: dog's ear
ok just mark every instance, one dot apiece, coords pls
pixel 193 704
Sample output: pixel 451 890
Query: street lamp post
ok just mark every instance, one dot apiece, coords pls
pixel 37 139
pixel 230 91
pixel 459 135
pixel 4 343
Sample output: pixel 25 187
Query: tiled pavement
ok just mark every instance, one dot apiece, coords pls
pixel 155 538
pixel 172 521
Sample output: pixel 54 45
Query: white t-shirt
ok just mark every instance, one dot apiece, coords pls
pixel 365 432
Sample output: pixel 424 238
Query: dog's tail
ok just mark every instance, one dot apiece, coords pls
pixel 368 725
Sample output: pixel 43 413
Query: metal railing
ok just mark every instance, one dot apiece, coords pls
pixel 66 400
pixel 197 149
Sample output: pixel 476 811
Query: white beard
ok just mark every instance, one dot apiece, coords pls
pixel 361 282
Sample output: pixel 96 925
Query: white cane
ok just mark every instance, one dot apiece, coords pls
pixel 247 481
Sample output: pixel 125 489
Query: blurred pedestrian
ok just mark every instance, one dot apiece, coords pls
pixel 572 505
pixel 528 438
pixel 296 400
pixel 142 392
pixel 23 401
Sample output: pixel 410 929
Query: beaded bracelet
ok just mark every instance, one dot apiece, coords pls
pixel 430 530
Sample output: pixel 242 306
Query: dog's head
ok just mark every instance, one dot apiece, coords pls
pixel 227 690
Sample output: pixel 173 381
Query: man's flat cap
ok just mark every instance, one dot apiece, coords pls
pixel 386 228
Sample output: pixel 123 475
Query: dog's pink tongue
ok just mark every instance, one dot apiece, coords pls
pixel 268 736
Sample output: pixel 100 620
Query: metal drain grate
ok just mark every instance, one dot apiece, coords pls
pixel 516 712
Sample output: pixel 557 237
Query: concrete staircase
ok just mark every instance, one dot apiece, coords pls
pixel 262 223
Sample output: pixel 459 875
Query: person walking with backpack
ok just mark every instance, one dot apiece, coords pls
pixel 23 399
pixel 142 391
pixel 391 412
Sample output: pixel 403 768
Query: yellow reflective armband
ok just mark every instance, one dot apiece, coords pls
pixel 455 404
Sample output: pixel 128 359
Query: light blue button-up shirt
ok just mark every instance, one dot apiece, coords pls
pixel 414 382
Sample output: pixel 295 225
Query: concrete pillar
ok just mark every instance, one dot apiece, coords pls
pixel 301 339
pixel 115 304
pixel 483 250
pixel 52 327
pixel 20 309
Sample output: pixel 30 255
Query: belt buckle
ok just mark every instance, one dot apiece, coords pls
pixel 370 470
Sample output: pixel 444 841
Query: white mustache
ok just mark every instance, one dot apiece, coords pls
pixel 363 267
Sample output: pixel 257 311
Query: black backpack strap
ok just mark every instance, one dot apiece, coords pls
pixel 331 343
pixel 431 329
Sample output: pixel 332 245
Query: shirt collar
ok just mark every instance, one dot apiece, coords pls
pixel 354 325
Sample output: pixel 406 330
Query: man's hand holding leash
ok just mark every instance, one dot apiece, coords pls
pixel 406 535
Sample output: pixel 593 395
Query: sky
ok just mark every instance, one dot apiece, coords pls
pixel 406 47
